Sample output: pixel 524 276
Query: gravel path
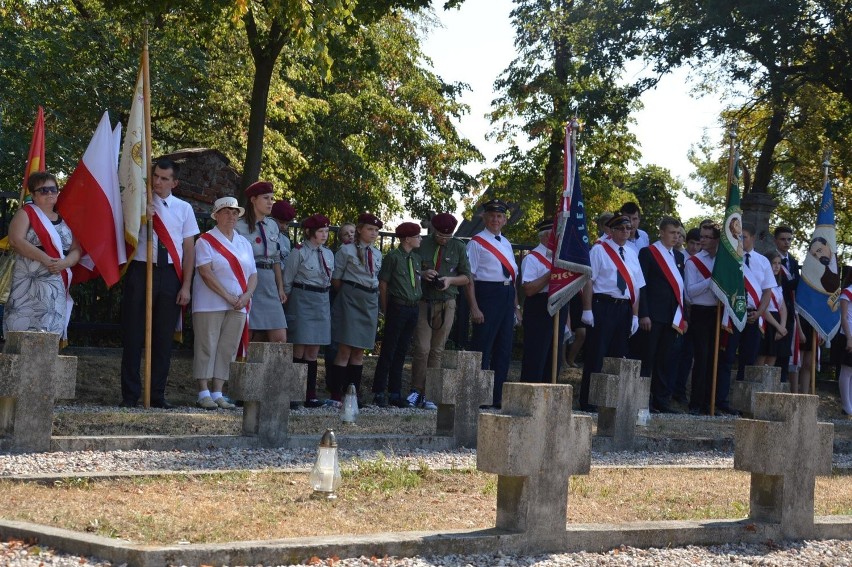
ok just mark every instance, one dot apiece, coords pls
pixel 829 553
pixel 18 554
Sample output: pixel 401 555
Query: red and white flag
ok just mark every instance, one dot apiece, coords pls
pixel 90 203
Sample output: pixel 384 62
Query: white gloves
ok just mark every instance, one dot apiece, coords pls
pixel 588 318
pixel 634 325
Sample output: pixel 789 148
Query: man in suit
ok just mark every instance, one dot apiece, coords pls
pixel 662 312
pixel 790 268
pixel 610 301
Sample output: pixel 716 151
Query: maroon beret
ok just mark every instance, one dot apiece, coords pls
pixel 316 221
pixel 283 211
pixel 258 188
pixel 369 218
pixel 444 223
pixel 407 229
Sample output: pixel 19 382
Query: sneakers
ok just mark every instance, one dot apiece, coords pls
pixel 224 404
pixel 333 404
pixel 417 400
pixel 207 403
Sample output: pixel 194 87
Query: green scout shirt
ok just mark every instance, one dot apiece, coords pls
pixel 403 283
pixel 453 262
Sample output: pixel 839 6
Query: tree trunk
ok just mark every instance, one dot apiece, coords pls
pixel 774 135
pixel 554 177
pixel 257 122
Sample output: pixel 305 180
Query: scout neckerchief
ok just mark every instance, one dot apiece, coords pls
pixel 666 262
pixel 237 269
pixel 52 244
pixel 497 254
pixel 621 267
pixel 161 210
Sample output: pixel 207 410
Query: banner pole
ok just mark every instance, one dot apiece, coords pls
pixel 149 251
pixel 555 348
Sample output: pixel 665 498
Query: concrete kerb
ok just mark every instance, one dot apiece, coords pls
pixel 579 537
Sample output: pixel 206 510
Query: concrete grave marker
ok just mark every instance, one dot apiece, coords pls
pixel 784 448
pixel 32 377
pixel 266 382
pixel 459 388
pixel 534 446
pixel 619 392
pixel 757 379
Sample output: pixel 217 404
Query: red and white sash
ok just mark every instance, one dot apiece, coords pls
pixel 162 211
pixel 752 292
pixel 52 244
pixel 703 269
pixel 237 269
pixel 497 254
pixel 543 259
pixel 622 269
pixel 666 263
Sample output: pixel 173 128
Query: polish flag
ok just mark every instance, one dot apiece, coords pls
pixel 90 203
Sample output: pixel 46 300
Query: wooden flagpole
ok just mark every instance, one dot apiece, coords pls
pixel 149 252
pixel 733 136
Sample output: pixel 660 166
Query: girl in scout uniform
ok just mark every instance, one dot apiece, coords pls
pixel 355 313
pixel 267 317
pixel 307 279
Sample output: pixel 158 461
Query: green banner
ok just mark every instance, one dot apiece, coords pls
pixel 728 282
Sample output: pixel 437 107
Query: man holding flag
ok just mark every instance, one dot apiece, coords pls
pixel 536 270
pixel 174 230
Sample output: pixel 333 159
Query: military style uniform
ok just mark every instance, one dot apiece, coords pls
pixel 266 311
pixel 355 313
pixel 307 280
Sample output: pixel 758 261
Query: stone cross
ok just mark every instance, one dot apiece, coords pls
pixel 784 448
pixel 619 392
pixel 32 377
pixel 757 379
pixel 533 446
pixel 459 388
pixel 266 382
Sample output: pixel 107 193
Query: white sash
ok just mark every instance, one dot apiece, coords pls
pixel 48 227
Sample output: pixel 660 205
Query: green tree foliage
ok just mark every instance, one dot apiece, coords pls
pixel 655 188
pixel 377 133
pixel 553 79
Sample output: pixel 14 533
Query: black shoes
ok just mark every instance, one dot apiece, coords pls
pixel 162 404
pixel 313 403
pixel 126 404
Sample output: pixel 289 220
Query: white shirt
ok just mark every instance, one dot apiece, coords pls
pixel 759 272
pixel 203 298
pixel 697 286
pixel 532 268
pixel 180 223
pixel 484 266
pixel 604 279
pixel 642 241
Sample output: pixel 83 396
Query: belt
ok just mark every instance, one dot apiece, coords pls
pixel 608 298
pixel 154 264
pixel 399 301
pixel 263 266
pixel 481 282
pixel 307 287
pixel 361 287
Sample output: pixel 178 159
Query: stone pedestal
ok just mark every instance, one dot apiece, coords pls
pixel 459 388
pixel 534 446
pixel 32 377
pixel 266 382
pixel 784 448
pixel 757 208
pixel 757 379
pixel 619 392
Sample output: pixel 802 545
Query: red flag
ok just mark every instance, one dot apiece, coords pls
pixel 90 203
pixel 35 159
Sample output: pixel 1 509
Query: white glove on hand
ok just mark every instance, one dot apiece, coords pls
pixel 588 318
pixel 634 325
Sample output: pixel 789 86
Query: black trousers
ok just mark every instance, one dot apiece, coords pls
pixel 608 337
pixel 165 312
pixel 537 361
pixel 400 324
pixel 655 355
pixel 702 328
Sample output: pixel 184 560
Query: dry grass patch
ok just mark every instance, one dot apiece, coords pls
pixel 376 496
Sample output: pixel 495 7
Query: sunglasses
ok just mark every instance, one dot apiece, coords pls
pixel 47 190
